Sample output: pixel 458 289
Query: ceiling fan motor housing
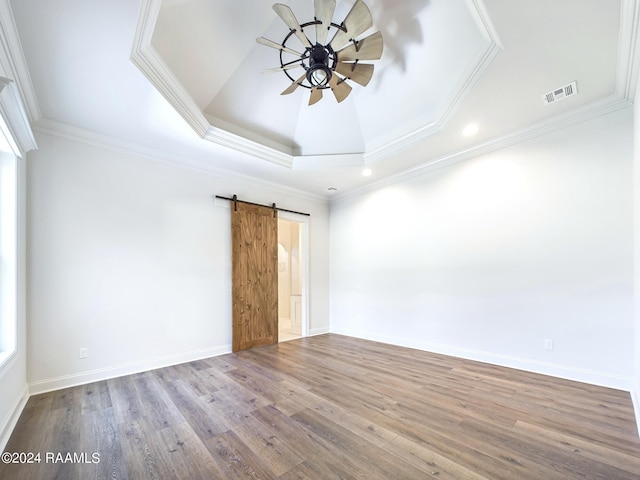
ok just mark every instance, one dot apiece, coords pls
pixel 319 73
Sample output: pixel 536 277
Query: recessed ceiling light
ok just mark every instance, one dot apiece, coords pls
pixel 470 130
pixel 367 172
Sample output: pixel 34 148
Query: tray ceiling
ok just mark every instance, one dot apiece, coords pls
pixel 203 57
pixel 195 95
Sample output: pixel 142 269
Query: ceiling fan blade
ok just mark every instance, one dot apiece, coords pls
pixel 357 21
pixel 339 87
pixel 369 48
pixel 358 72
pixel 292 88
pixel 324 12
pixel 277 46
pixel 287 16
pixel 281 69
pixel 316 95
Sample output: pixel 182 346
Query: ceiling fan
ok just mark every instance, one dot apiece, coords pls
pixel 327 64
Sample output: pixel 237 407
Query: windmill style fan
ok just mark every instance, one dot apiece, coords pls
pixel 327 64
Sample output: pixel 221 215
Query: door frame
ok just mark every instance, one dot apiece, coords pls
pixel 303 221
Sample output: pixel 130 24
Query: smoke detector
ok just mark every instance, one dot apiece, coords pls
pixel 560 93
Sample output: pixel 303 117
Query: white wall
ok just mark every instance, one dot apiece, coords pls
pixel 487 258
pixel 130 259
pixel 13 374
pixel 636 188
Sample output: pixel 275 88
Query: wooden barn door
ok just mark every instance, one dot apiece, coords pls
pixel 254 232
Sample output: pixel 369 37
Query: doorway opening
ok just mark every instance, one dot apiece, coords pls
pixel 292 278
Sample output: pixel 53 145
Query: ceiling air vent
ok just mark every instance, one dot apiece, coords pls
pixel 560 93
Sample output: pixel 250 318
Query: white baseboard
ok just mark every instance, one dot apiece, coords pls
pixel 603 379
pixel 319 331
pixel 635 398
pixel 50 384
pixel 9 423
pixel 82 378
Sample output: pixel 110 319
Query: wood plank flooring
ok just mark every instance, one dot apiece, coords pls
pixel 329 407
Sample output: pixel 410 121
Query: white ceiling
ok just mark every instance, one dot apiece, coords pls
pixel 194 92
pixel 226 86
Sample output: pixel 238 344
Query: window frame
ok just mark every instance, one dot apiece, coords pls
pixel 9 256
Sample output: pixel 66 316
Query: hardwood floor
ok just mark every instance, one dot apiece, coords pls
pixel 329 407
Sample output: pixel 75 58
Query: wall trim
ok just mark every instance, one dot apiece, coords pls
pixel 153 67
pixel 635 399
pixel 65 381
pixel 594 110
pixel 18 104
pixel 9 423
pixel 478 67
pixel 567 372
pixel 149 62
pixel 628 61
pixel 145 57
pixel 13 60
pixel 8 359
pixel 98 140
pixel 319 331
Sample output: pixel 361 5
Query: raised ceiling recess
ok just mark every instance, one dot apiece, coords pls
pixel 203 57
pixel 327 64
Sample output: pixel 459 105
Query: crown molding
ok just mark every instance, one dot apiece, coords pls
pixel 628 52
pixel 17 90
pixel 98 140
pixel 14 126
pixel 242 144
pixel 459 93
pixel 146 58
pixel 626 84
pixel 315 162
pixel 595 109
pixel 13 62
pixel 150 63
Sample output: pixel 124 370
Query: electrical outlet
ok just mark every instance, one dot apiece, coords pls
pixel 84 353
pixel 548 344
